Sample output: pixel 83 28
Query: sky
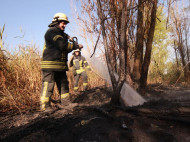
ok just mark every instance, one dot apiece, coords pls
pixel 31 19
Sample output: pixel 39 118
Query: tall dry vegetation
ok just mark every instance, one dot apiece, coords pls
pixel 22 84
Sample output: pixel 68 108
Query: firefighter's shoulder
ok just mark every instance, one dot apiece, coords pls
pixel 53 33
pixel 52 30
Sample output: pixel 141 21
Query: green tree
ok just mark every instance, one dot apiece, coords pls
pixel 161 41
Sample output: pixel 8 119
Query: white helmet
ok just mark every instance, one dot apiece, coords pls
pixel 60 17
pixel 76 50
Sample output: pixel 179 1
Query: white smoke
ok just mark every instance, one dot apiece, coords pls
pixel 128 95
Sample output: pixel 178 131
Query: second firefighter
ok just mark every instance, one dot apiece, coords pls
pixel 79 64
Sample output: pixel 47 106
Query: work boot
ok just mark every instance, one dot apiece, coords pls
pixel 53 103
pixel 76 93
pixel 85 88
pixel 47 108
pixel 69 106
pixel 65 103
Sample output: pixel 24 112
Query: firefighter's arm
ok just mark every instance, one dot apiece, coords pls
pixel 73 46
pixel 60 41
pixel 86 64
pixel 74 41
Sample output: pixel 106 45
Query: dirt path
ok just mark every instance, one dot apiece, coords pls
pixel 164 119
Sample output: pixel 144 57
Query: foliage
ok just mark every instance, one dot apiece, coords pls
pixel 160 52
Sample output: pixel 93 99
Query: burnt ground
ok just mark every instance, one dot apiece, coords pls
pixel 164 118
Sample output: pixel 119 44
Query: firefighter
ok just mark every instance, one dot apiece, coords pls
pixel 54 62
pixel 79 64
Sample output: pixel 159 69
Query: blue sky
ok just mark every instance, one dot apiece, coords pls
pixel 33 17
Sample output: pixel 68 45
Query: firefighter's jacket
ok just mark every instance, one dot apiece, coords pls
pixel 56 49
pixel 79 64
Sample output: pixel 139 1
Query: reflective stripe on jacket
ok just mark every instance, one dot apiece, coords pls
pixel 79 64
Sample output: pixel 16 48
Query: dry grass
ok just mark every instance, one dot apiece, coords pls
pixel 22 80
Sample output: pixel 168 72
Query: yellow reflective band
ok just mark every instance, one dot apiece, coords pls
pixel 44 99
pixel 56 37
pixel 45 89
pixel 85 84
pixel 88 67
pixel 63 96
pixel 79 71
pixel 50 65
pixel 44 47
pixel 43 107
pixel 80 63
pixel 54 66
pixel 85 61
pixel 75 88
pixel 52 62
pixel 70 46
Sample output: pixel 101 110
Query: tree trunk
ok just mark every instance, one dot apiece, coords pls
pixel 112 35
pixel 116 83
pixel 108 59
pixel 181 51
pixel 175 49
pixel 122 56
pixel 139 43
pixel 147 58
pixel 187 48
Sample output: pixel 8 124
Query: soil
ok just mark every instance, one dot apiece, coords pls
pixel 164 118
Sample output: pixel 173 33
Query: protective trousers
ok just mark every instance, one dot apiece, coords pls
pixel 49 78
pixel 85 80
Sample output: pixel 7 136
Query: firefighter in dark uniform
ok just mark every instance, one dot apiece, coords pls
pixel 79 64
pixel 54 61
